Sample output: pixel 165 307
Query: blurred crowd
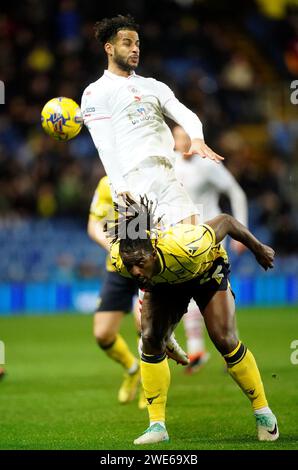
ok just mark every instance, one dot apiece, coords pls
pixel 232 66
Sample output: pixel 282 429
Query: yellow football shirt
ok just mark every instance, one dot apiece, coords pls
pixel 184 251
pixel 102 208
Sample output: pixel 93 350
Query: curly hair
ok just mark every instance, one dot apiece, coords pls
pixel 106 29
pixel 135 226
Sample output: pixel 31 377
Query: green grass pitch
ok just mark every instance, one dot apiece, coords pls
pixel 60 391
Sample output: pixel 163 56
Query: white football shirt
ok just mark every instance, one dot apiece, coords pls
pixel 125 116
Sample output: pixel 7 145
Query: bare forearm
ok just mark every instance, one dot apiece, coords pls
pixel 225 224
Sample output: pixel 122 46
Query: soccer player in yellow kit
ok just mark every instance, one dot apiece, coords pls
pixel 175 265
pixel 116 299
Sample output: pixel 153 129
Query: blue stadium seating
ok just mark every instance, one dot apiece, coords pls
pixel 52 265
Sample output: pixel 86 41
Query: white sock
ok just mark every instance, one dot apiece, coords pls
pixel 195 346
pixel 193 325
pixel 263 411
pixel 162 423
pixel 133 368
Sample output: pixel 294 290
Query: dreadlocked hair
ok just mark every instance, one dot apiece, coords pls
pixel 135 226
pixel 107 28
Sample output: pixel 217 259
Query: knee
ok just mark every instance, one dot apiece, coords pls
pixel 103 336
pixel 225 341
pixel 153 343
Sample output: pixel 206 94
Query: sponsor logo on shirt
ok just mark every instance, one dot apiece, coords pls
pixel 141 113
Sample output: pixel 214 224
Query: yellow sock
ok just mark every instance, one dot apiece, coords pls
pixel 244 370
pixel 120 352
pixel 142 400
pixel 156 377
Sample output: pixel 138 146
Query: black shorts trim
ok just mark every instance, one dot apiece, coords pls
pixel 117 293
pixel 176 297
pixel 237 357
pixel 214 280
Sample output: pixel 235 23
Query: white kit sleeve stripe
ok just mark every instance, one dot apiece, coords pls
pixel 96 119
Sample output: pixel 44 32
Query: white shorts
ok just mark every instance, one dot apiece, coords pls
pixel 156 178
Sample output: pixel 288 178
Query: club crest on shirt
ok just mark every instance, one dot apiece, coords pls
pixel 136 93
pixel 134 90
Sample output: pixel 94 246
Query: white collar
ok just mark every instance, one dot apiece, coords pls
pixel 114 76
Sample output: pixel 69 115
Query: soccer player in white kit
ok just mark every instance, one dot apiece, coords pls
pixel 204 182
pixel 125 114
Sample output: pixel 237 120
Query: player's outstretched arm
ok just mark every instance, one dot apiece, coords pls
pixel 225 224
pixel 190 123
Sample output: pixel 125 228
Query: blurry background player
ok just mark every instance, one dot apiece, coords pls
pixel 116 299
pixel 205 183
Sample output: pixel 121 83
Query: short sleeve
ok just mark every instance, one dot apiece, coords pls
pixel 102 204
pixel 210 234
pixel 197 240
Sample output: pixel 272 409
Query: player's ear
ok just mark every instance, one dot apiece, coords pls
pixel 109 48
